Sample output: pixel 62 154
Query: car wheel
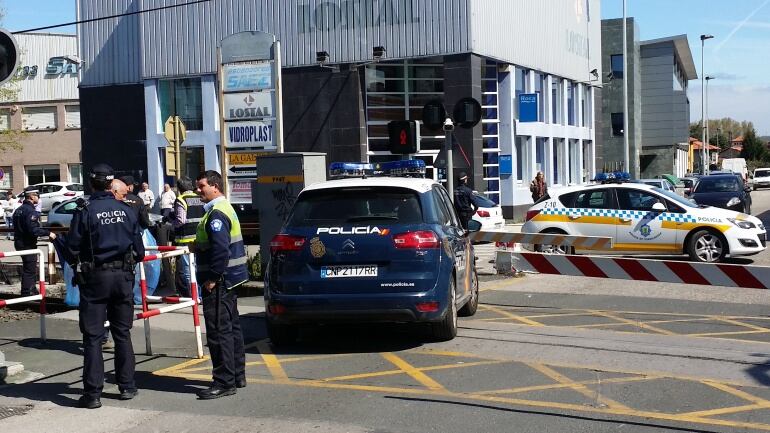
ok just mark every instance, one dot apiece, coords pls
pixel 281 335
pixel 446 329
pixel 470 307
pixel 707 247
pixel 554 249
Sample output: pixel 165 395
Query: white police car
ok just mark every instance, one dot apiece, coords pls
pixel 643 219
pixel 386 248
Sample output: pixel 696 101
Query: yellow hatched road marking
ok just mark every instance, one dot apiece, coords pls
pixel 558 377
pixel 635 323
pixel 510 315
pixel 566 385
pixel 737 323
pixel 736 392
pixel 395 372
pixel 413 372
pixel 716 334
pixel 725 410
pixel 272 362
pixel 283 361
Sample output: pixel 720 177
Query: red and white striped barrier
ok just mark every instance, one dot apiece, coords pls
pixel 41 287
pixel 165 252
pixel 579 242
pixel 663 271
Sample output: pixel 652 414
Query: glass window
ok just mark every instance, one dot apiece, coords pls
pixel 539 90
pixel 38 118
pixel 557 158
pixel 443 216
pixel 448 202
pixel 634 199
pixel 719 184
pixel 570 103
pixel 540 155
pixel 481 201
pixel 75 187
pixel 521 87
pixel 72 116
pixel 617 66
pixel 7 181
pixel 593 199
pixel 519 159
pixel 5 119
pixel 354 205
pixel 617 124
pixel 76 173
pixel 67 208
pixel 182 97
pixel 42 173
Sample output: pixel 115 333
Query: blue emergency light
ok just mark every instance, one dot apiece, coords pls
pixel 404 168
pixel 613 177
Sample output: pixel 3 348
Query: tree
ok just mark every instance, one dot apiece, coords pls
pixel 753 147
pixel 10 139
pixel 726 129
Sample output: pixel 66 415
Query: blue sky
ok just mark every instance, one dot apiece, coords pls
pixel 739 55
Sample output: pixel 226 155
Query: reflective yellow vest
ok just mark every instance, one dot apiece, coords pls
pixel 236 272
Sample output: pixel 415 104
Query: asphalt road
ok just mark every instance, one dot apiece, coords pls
pixel 543 354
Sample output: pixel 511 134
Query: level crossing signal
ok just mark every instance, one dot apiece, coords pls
pixel 9 56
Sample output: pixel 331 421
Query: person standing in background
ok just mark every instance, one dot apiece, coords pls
pixel 538 187
pixel 167 198
pixel 464 204
pixel 188 212
pixel 147 196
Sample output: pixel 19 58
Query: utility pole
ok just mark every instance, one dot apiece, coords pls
pixel 626 141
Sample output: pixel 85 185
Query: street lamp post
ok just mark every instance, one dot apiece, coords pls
pixel 703 104
pixel 626 129
pixel 708 130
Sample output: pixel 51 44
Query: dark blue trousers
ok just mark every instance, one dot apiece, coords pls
pixel 107 294
pixel 224 336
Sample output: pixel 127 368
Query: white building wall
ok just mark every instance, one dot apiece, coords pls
pixel 40 78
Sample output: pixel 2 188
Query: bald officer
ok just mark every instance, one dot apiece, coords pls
pixel 106 241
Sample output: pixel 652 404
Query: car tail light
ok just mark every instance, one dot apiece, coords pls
pixel 283 242
pixel 423 239
pixel 276 309
pixel 427 307
pixel 531 214
pixel 69 194
pixel 482 213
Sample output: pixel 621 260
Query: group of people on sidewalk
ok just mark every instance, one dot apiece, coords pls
pixel 104 244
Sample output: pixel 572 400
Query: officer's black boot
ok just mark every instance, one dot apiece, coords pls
pixel 87 402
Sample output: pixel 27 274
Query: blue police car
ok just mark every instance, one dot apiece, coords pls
pixel 373 246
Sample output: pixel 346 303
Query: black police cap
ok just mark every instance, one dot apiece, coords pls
pixel 102 171
pixel 127 179
pixel 462 175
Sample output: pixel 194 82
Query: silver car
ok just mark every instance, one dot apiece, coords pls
pixel 61 215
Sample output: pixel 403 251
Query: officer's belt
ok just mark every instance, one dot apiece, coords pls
pixel 118 264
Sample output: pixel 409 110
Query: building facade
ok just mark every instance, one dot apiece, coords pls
pixel 45 115
pixel 659 115
pixel 492 50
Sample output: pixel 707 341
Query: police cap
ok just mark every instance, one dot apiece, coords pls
pixel 127 179
pixel 102 172
pixel 462 176
pixel 31 191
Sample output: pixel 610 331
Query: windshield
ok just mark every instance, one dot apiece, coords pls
pixel 481 201
pixel 357 204
pixel 678 199
pixel 762 173
pixel 719 184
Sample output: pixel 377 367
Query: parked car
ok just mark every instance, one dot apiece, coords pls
pixel 61 214
pixel 727 191
pixel 761 178
pixel 53 193
pixel 736 165
pixel 489 213
pixel 660 183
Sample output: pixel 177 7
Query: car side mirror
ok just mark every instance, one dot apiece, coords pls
pixel 659 207
pixel 474 226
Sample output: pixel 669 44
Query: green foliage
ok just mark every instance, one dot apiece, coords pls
pixel 254 265
pixel 753 147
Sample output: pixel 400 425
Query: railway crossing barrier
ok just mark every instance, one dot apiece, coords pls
pixel 175 303
pixel 41 286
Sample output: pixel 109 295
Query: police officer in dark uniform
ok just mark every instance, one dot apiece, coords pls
pixel 26 230
pixel 105 241
pixel 464 204
pixel 137 203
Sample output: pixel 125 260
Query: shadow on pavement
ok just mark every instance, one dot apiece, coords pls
pixel 73 347
pixel 760 372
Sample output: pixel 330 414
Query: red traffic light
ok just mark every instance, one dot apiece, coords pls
pixel 403 137
pixel 9 56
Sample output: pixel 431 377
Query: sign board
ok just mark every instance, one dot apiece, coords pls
pixel 528 107
pixel 243 164
pixel 249 106
pixel 506 165
pixel 250 134
pixel 239 190
pixel 467 113
pixel 248 77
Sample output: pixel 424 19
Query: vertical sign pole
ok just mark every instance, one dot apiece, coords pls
pixel 449 163
pixel 177 148
pixel 278 135
pixel 222 132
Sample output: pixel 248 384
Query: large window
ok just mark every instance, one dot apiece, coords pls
pixel 570 103
pixel 556 100
pixel 182 97
pixel 617 124
pixel 38 118
pixel 540 164
pixel 521 87
pixel 72 116
pixel 5 120
pixel 540 90
pixel 42 173
pixel 617 66
pixel 76 173
pixel 558 157
pixel 398 91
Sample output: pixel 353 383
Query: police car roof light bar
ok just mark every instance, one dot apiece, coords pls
pixel 403 168
pixel 613 177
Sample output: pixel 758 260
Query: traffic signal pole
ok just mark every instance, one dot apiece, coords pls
pixel 448 128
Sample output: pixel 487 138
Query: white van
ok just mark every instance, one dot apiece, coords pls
pixel 761 178
pixel 736 165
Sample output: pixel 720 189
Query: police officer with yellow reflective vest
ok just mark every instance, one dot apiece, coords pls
pixel 26 230
pixel 105 241
pixel 188 212
pixel 221 256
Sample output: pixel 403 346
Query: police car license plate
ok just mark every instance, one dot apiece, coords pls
pixel 349 271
